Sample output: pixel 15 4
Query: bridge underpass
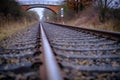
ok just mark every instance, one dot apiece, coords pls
pixel 52 5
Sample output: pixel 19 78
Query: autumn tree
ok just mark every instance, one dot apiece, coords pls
pixel 77 5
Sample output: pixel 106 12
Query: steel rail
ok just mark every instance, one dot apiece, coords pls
pixel 53 72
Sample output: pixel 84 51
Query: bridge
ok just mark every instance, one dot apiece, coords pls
pixel 52 5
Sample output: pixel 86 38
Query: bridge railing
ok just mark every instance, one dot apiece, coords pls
pixel 40 2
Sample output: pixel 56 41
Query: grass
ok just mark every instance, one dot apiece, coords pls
pixel 12 27
pixel 109 26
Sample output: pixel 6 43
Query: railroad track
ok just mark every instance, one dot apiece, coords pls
pixel 84 54
pixel 56 52
pixel 18 61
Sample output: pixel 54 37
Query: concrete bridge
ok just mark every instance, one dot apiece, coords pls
pixel 52 5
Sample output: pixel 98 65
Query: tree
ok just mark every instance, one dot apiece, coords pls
pixel 32 15
pixel 77 5
pixel 103 6
pixel 10 8
pixel 49 15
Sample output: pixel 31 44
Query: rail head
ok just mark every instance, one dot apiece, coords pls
pixel 53 71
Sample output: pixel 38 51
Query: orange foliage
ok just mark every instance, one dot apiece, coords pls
pixel 86 2
pixel 73 3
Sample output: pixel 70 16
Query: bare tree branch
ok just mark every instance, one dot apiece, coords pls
pixel 110 1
